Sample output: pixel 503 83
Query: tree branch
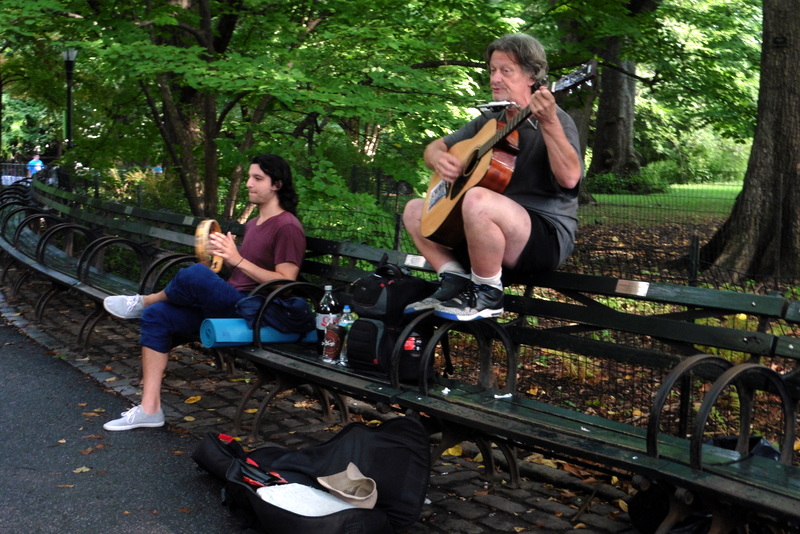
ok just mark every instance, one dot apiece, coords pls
pixel 448 63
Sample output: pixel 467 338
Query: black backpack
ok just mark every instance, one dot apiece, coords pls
pixel 379 300
pixel 385 293
pixel 395 455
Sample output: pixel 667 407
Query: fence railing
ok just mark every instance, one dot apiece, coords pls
pixel 655 237
pixel 12 172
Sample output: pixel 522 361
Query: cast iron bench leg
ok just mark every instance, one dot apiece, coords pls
pixel 44 300
pixel 259 381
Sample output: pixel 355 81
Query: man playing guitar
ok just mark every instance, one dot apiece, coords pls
pixel 531 225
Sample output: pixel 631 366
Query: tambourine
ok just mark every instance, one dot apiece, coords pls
pixel 205 229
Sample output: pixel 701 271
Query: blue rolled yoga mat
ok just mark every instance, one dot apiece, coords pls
pixel 235 332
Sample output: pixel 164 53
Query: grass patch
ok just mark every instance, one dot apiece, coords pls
pixel 684 203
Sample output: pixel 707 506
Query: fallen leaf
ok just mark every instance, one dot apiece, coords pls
pixel 545 461
pixel 185 510
pixel 192 400
pixel 579 526
pixel 87 451
pixel 90 414
pixel 622 505
pixel 251 410
pixel 83 469
pixel 65 486
pixel 93 436
pixel 62 441
pixel 569 468
pixel 454 451
pixel 189 418
pixel 178 453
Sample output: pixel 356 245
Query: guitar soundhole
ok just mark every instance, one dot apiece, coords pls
pixel 460 182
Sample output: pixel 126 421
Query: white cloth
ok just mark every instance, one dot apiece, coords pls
pixel 302 500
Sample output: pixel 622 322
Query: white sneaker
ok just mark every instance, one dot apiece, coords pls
pixel 125 307
pixel 136 418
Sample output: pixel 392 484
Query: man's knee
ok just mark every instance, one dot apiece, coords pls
pixel 155 314
pixel 188 282
pixel 412 213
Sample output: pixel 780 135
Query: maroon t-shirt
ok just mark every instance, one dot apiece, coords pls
pixel 279 239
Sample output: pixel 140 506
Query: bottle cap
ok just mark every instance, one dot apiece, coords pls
pixel 328 288
pixel 346 308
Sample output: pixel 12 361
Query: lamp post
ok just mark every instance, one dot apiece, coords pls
pixel 69 67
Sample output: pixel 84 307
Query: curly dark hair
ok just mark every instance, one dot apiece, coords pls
pixel 279 171
pixel 527 51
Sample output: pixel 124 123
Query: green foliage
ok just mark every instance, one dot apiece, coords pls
pixel 27 128
pixel 140 187
pixel 643 183
pixel 341 83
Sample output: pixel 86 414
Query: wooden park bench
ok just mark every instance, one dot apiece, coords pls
pixel 624 328
pixel 623 375
pixel 90 247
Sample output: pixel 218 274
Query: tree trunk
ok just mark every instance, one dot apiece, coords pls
pixel 613 142
pixel 761 238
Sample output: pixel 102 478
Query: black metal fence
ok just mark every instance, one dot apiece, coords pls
pixel 650 237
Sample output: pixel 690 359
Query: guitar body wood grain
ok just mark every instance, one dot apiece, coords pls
pixel 441 216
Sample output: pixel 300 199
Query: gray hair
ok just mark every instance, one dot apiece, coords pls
pixel 527 51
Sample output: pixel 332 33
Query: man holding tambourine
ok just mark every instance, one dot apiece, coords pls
pixel 273 248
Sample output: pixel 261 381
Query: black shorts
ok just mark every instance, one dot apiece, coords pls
pixel 541 253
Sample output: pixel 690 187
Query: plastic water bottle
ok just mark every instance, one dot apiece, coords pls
pixel 346 321
pixel 328 313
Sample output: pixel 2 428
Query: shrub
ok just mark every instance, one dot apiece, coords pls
pixel 643 183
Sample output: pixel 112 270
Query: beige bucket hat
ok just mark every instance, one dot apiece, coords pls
pixel 351 486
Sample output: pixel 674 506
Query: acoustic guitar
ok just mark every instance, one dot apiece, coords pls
pixel 489 159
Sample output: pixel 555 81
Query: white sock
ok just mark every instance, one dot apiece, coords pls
pixel 493 281
pixel 452 267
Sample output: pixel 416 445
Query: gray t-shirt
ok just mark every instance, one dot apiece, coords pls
pixel 532 183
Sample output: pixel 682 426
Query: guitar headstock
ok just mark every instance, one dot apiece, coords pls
pixel 579 77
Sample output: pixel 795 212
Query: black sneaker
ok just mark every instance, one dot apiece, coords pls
pixel 450 285
pixel 475 302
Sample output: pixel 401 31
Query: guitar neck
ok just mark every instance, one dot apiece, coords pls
pixel 509 127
